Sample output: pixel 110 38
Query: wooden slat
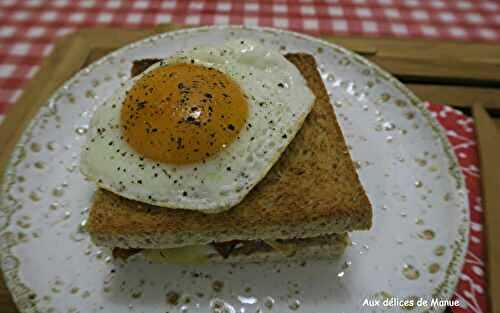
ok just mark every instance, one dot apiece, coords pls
pixel 6 303
pixel 439 70
pixel 106 37
pixel 96 54
pixel 411 48
pixel 459 96
pixel 489 152
pixel 431 60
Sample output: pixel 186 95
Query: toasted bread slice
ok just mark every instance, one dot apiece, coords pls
pixel 313 190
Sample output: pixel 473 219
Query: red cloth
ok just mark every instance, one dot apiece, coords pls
pixel 471 290
pixel 29 29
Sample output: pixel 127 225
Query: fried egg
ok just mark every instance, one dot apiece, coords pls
pixel 197 130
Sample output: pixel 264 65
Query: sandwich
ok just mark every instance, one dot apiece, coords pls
pixel 302 204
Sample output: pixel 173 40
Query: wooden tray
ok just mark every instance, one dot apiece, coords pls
pixel 458 74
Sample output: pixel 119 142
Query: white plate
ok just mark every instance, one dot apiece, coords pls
pixel 415 248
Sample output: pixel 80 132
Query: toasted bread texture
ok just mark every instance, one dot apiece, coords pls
pixel 312 190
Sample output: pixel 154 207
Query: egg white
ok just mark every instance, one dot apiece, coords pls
pixel 278 98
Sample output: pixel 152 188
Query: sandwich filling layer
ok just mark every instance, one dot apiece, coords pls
pixel 237 248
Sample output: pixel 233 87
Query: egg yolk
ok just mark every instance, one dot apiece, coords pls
pixel 182 113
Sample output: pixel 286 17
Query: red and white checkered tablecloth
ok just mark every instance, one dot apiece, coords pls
pixel 29 28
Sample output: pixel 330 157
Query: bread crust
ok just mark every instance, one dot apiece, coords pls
pixel 312 190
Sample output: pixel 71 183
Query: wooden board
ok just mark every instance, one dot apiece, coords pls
pixel 489 153
pixel 454 73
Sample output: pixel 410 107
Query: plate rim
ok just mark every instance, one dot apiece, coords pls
pixel 446 288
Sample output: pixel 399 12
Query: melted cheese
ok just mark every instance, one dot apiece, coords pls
pixel 182 255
